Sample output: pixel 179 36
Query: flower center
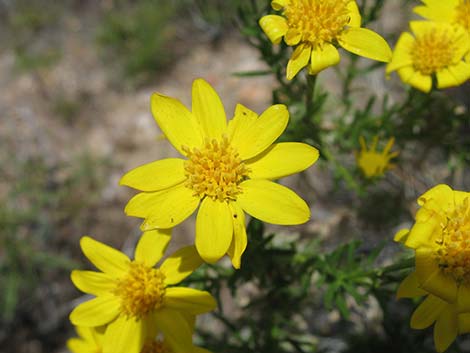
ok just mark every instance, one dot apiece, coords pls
pixel 462 16
pixel 318 21
pixel 432 51
pixel 141 290
pixel 372 163
pixel 215 170
pixel 453 255
pixel 155 347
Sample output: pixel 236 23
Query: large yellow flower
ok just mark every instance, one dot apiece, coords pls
pixel 135 299
pixel 441 240
pixel 448 318
pixel 316 27
pixel 455 12
pixel 90 340
pixel 437 50
pixel 228 170
pixel 373 163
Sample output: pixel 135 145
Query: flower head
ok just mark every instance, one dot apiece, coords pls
pixel 441 240
pixel 448 318
pixel 134 298
pixel 227 170
pixel 437 50
pixel 373 163
pixel 316 27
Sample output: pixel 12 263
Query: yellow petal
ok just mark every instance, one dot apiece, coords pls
pixel 152 246
pixel 272 203
pixel 446 329
pixel 463 298
pixel 176 122
pixel 124 335
pixel 163 209
pixel 282 159
pixel 367 43
pixel 104 257
pixel 298 60
pixel 322 58
pixel 427 312
pixel 421 234
pixel 464 322
pixel 442 195
pixel 208 109
pixel 354 15
pixel 214 229
pixel 262 132
pixel 180 264
pixel 421 82
pixel 442 286
pixel 279 4
pixel 96 312
pixel 155 176
pixel 91 282
pixel 402 54
pixel 176 330
pixel 426 264
pixel 454 75
pixel 239 241
pixel 274 26
pixel 410 287
pixel 401 235
pixel 76 345
pixel 189 300
pixel 242 120
pixel 293 37
pixel 438 11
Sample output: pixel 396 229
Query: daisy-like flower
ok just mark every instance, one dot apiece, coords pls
pixel 372 162
pixel 90 340
pixel 448 318
pixel 227 170
pixel 454 12
pixel 441 240
pixel 316 28
pixel 135 299
pixel 437 50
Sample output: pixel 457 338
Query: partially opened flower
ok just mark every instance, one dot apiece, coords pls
pixel 449 319
pixel 374 163
pixel 437 50
pixel 227 170
pixel 316 28
pixel 441 240
pixel 134 299
pixel 454 12
pixel 90 340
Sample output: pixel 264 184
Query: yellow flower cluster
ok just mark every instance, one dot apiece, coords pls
pixel 438 49
pixel 226 169
pixel 440 238
pixel 373 163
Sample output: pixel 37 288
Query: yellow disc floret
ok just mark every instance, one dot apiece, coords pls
pixel 433 51
pixel 141 290
pixel 453 254
pixel 462 14
pixel 215 170
pixel 318 21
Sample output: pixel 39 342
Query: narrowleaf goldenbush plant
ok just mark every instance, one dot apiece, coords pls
pixel 278 292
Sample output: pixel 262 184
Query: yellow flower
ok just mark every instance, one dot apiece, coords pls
pixel 316 27
pixel 227 171
pixel 455 12
pixel 449 320
pixel 134 298
pixel 373 163
pixel 441 240
pixel 90 340
pixel 437 49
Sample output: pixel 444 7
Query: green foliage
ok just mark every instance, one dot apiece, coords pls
pixel 138 36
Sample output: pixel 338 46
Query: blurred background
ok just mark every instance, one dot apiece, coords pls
pixel 75 80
